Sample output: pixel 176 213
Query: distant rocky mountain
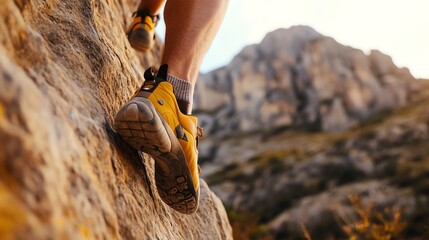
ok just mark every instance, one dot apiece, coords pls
pixel 298 77
pixel 299 122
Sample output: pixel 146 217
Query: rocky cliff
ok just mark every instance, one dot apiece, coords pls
pixel 299 122
pixel 65 69
pixel 296 78
pixel 299 78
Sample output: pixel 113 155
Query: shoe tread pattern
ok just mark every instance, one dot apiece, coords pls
pixel 148 132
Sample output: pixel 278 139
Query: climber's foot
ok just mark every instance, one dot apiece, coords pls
pixel 141 32
pixel 146 122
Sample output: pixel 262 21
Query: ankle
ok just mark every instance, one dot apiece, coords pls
pixel 184 91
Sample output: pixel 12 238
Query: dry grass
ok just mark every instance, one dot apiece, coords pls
pixel 305 232
pixel 373 224
pixel 370 224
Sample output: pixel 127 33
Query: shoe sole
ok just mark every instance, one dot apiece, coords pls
pixel 141 126
pixel 140 40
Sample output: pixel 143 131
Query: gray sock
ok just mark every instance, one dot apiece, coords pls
pixel 184 92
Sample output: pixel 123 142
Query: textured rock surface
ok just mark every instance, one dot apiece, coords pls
pixel 65 69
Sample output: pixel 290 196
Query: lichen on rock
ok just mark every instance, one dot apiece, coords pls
pixel 65 69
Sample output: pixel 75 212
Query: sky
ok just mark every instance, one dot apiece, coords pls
pixel 399 28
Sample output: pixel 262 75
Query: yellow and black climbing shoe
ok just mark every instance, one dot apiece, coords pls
pixel 152 122
pixel 141 32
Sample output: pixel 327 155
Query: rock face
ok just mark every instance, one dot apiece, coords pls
pixel 298 77
pixel 65 69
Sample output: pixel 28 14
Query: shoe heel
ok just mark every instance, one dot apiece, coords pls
pixel 141 40
pixel 138 123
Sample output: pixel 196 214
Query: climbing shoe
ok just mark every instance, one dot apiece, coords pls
pixel 152 122
pixel 141 32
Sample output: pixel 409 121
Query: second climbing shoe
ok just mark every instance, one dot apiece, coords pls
pixel 141 32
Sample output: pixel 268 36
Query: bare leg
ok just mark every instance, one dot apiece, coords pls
pixel 153 6
pixel 190 28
